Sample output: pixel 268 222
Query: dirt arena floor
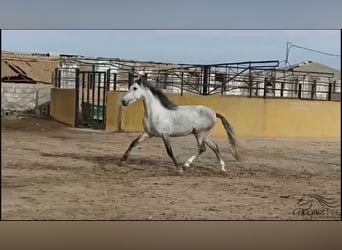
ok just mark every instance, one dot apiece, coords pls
pixel 52 172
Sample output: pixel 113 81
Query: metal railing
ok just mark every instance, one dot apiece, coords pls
pixel 251 79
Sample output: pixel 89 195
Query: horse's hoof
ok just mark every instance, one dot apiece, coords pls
pixel 224 172
pixel 180 171
pixel 186 165
pixel 121 163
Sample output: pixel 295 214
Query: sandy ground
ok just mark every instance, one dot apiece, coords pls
pixel 53 172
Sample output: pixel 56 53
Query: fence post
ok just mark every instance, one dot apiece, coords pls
pixel 257 88
pixel 56 77
pixel 296 87
pixel 265 84
pixel 93 76
pixel 130 79
pixel 59 79
pixel 282 89
pixel 108 80
pixel 329 92
pixel 313 89
pixel 77 87
pixel 300 91
pixel 206 70
pixel 250 85
pixel 182 82
pixel 223 83
pixel 115 81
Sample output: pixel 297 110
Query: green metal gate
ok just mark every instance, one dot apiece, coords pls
pixel 91 87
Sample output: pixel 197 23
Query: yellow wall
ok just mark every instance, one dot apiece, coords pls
pixel 251 117
pixel 302 119
pixel 62 105
pixel 113 110
pixel 132 117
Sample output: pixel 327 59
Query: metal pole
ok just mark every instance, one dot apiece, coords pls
pixel 130 79
pixel 182 82
pixel 93 98
pixel 205 79
pixel 329 93
pixel 83 82
pixel 107 81
pixel 114 81
pixel 98 97
pixel 313 89
pixel 296 87
pixel 250 79
pixel 59 79
pixel 250 85
pixel 257 88
pixel 56 77
pixel 104 99
pixel 77 84
pixel 265 84
pixel 288 47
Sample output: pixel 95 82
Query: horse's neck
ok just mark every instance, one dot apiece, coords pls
pixel 152 106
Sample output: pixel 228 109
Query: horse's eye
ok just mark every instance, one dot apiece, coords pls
pixel 135 88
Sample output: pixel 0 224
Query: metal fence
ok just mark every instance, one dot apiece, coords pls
pixel 251 79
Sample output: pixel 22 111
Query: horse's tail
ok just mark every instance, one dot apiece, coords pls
pixel 231 136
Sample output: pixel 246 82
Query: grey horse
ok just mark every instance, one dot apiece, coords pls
pixel 163 118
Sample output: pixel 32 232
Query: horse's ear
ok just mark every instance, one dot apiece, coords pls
pixel 139 81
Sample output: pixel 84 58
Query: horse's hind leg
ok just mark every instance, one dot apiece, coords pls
pixel 201 148
pixel 213 146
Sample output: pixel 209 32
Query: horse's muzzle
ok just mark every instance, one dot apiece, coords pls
pixel 123 103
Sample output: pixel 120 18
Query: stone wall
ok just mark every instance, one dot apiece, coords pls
pixel 23 97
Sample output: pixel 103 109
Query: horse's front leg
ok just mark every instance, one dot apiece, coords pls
pixel 170 152
pixel 134 143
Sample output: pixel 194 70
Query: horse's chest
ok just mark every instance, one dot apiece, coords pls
pixel 156 126
pixel 150 128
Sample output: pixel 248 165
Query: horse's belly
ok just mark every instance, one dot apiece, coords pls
pixel 181 122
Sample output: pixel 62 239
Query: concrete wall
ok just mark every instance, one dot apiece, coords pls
pixel 113 114
pixel 251 117
pixel 23 97
pixel 62 105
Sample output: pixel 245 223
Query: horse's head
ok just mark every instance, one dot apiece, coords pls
pixel 135 92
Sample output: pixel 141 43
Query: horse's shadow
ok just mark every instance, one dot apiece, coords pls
pixel 112 162
pixel 135 163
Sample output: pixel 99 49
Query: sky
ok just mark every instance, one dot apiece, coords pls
pixel 156 14
pixel 181 46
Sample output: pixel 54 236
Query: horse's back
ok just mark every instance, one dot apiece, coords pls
pixel 199 116
pixel 199 109
pixel 182 121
